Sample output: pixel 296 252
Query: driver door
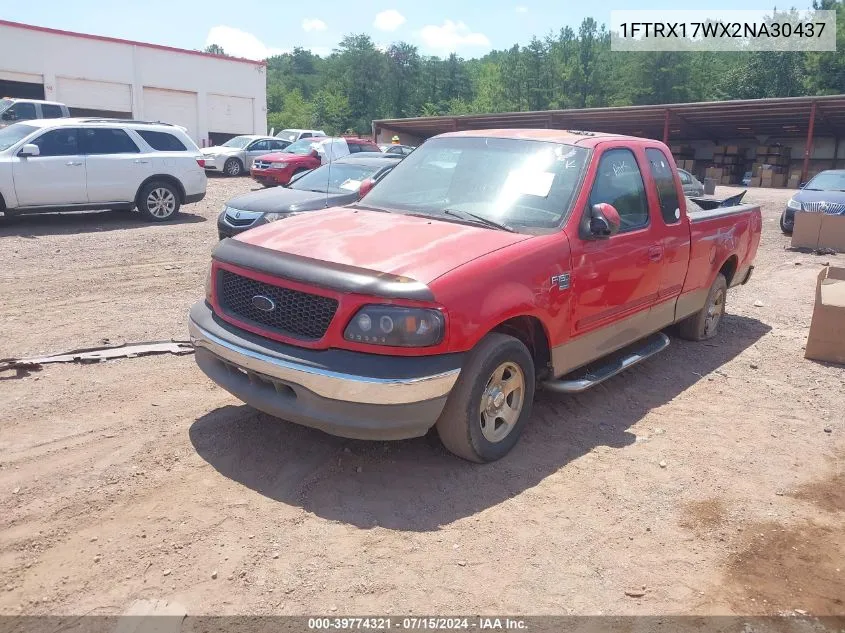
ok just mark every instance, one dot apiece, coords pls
pixel 254 150
pixel 56 176
pixel 615 280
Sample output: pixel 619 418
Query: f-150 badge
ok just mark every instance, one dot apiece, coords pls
pixel 561 281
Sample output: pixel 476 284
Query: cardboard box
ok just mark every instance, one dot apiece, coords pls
pixel 793 182
pixel 718 149
pixel 732 149
pixel 727 180
pixel 755 181
pixel 826 340
pixel 819 230
pixel 762 150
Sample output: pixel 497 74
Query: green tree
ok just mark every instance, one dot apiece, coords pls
pixel 215 49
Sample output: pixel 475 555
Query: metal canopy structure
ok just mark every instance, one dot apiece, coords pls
pixel 757 119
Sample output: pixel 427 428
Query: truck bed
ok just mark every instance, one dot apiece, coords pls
pixel 697 214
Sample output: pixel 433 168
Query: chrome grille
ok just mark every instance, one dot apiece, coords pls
pixel 831 208
pixel 262 164
pixel 293 313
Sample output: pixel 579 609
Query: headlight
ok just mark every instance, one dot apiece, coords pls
pixel 399 327
pixel 793 204
pixel 272 217
pixel 278 165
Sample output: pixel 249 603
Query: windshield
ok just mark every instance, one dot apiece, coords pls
pixel 239 142
pixel 337 178
pixel 288 135
pixel 521 183
pixel 828 181
pixel 14 133
pixel 302 147
pixel 4 104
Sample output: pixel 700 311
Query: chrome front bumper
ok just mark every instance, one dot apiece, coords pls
pixel 324 382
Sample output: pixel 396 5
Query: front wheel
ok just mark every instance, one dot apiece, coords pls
pixel 489 405
pixel 786 225
pixel 705 323
pixel 158 201
pixel 233 167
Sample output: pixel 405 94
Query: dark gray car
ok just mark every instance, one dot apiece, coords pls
pixel 331 185
pixel 692 185
pixel 825 193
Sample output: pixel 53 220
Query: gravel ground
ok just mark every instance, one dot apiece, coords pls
pixel 706 480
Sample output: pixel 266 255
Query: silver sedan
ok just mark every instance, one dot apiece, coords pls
pixel 235 156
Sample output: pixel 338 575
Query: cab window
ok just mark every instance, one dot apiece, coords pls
pixel 21 111
pixel 619 182
pixel 664 179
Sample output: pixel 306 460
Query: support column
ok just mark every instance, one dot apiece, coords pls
pixel 666 126
pixel 808 146
pixel 836 153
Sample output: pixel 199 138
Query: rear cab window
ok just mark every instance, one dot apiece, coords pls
pixel 664 181
pixel 162 141
pixel 51 111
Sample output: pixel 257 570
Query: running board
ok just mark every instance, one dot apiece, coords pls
pixel 620 362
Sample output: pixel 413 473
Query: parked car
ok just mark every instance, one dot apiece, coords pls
pixel 306 154
pixel 339 183
pixel 402 150
pixel 16 110
pixel 292 135
pixel 825 193
pixel 236 155
pixel 692 186
pixel 89 163
pixel 451 291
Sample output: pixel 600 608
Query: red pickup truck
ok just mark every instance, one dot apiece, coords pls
pixel 485 265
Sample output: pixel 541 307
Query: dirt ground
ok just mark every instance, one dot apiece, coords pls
pixel 707 480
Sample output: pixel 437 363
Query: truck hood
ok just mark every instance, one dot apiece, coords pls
pixel 281 200
pixel 420 248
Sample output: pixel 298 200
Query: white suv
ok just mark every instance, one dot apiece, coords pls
pixel 88 163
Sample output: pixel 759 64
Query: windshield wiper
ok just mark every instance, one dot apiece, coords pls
pixel 479 219
pixel 367 207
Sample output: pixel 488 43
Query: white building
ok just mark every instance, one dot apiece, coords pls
pixel 213 97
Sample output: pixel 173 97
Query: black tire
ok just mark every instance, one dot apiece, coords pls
pixel 233 167
pixel 461 425
pixel 785 226
pixel 704 324
pixel 158 201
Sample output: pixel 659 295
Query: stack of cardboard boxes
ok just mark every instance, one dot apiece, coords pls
pixel 771 167
pixel 684 156
pixel 728 164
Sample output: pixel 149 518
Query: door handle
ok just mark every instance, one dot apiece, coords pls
pixel 73 163
pixel 139 161
pixel 655 253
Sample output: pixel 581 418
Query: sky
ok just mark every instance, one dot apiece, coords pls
pixel 257 29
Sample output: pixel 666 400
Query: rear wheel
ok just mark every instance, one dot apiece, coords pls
pixel 233 167
pixel 158 201
pixel 491 402
pixel 705 323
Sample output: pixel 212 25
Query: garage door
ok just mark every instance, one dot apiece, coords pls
pixel 94 95
pixel 172 106
pixel 232 115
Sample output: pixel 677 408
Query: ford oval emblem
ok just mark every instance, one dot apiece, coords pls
pixel 265 304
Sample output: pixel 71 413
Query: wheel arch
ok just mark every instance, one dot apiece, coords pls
pixel 532 332
pixel 729 267
pixel 172 180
